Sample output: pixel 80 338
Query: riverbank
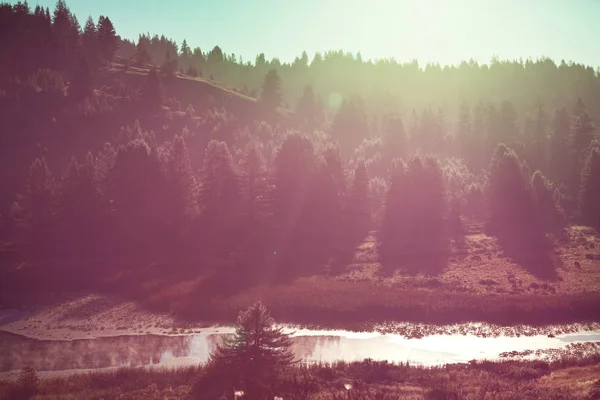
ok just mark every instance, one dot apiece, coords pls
pixel 87 316
pixel 567 378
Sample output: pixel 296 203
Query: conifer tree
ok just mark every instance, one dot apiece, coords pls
pixel 220 199
pixel 257 355
pixel 358 208
pixel 350 126
pixel 35 210
pixel 80 86
pixel 293 169
pixel 589 195
pixel 509 192
pixel 108 41
pixel 395 142
pixel 463 133
pixel 271 96
pixel 80 211
pixel 182 183
pixel 307 109
pixel 549 213
pixel 583 131
pixel 560 160
pixel 90 43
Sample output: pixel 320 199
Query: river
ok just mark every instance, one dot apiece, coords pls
pixel 18 351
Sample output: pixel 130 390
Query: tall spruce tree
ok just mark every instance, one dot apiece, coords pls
pixel 271 96
pixel 589 195
pixel 358 207
pixel 257 355
pixel 560 159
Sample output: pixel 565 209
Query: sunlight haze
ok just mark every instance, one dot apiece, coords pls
pixel 446 32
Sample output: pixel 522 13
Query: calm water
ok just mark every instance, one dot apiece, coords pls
pixel 312 346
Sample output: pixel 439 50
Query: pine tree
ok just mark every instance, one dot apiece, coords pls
pixel 90 43
pixel 152 91
pixel 257 355
pixel 560 160
pixel 549 213
pixel 463 133
pixel 358 207
pixel 65 35
pixel 307 110
pixel 256 211
pixel 169 66
pixel 271 96
pixel 182 184
pixel 318 231
pixel 589 195
pixel 539 140
pixel 293 169
pixel 350 126
pixel 80 86
pixel 135 190
pixel 35 210
pixel 583 131
pixel 395 143
pixel 141 56
pixel 80 211
pixel 220 199
pixel 509 192
pixel 108 41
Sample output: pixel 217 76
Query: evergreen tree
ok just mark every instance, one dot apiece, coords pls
pixel 169 66
pixel 395 142
pixel 319 230
pixel 80 86
pixel 135 190
pixel 307 109
pixel 35 210
pixel 464 138
pixel 549 213
pixel 182 186
pixel 65 35
pixel 141 56
pixel 256 211
pixel 583 131
pixel 81 213
pixel 560 160
pixel 358 207
pixel 509 192
pixel 589 195
pixel 539 140
pixel 220 199
pixel 293 169
pixel 90 43
pixel 152 91
pixel 350 126
pixel 270 96
pixel 257 355
pixel 108 41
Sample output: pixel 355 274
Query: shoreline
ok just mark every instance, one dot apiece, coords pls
pixel 96 316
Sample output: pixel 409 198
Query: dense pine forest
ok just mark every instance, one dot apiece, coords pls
pixel 151 153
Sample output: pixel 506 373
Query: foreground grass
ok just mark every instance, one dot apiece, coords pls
pixel 564 379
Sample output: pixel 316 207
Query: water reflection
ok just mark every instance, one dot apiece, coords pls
pixel 311 346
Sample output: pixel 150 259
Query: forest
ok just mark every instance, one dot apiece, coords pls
pixel 167 159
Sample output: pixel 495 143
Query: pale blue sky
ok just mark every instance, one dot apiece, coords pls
pixel 445 31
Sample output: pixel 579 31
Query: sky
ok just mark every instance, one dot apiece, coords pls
pixel 443 31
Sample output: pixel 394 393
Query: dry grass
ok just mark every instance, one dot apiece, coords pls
pixel 479 283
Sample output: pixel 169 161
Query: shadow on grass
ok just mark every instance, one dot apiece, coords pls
pixel 533 250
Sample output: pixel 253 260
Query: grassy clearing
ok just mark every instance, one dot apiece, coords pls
pixel 478 283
